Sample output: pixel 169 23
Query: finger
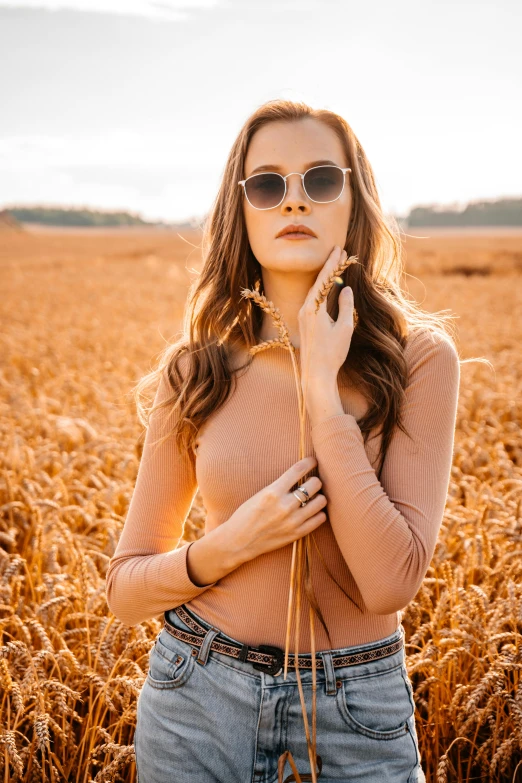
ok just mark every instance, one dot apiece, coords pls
pixel 346 306
pixel 295 472
pixel 331 263
pixel 312 487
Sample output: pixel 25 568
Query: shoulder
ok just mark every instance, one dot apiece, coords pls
pixel 431 348
pixel 177 367
pixel 165 390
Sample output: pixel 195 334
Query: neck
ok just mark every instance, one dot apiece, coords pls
pixel 287 292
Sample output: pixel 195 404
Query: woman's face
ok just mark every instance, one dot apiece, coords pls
pixel 296 146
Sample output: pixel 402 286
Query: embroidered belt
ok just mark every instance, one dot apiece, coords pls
pixel 266 657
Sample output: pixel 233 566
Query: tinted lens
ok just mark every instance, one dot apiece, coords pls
pixel 324 183
pixel 265 190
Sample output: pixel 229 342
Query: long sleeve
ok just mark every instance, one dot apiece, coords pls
pixel 387 531
pixel 146 574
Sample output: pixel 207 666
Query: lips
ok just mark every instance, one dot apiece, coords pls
pixel 296 229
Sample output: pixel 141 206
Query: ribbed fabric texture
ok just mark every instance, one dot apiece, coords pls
pixel 377 541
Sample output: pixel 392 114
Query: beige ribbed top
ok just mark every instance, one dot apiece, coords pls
pixel 378 538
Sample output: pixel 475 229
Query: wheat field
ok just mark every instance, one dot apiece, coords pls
pixel 84 315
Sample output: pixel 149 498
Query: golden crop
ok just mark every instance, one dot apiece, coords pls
pixel 83 314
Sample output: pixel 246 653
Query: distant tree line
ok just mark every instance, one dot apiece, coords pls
pixel 501 212
pixel 59 216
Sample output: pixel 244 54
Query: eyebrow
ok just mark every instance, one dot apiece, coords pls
pixel 275 167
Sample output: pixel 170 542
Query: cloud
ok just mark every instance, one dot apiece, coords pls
pixel 115 147
pixel 174 10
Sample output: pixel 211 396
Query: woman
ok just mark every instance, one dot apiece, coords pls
pixel 381 397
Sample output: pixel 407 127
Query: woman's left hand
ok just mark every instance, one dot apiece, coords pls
pixel 324 343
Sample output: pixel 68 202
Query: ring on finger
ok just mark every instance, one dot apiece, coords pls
pixel 304 492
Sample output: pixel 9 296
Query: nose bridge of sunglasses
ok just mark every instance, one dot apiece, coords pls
pixel 295 188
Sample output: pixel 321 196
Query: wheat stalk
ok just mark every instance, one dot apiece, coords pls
pixel 463 647
pixel 297 550
pixel 335 277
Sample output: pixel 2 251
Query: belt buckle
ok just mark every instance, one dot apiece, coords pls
pixel 271 668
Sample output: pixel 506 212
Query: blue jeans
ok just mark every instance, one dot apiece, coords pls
pixel 222 721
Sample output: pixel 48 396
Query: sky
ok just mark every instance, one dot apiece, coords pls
pixel 135 104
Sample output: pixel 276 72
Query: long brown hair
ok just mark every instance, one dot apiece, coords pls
pixel 217 318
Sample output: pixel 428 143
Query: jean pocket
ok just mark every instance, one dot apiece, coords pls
pixel 378 705
pixel 171 662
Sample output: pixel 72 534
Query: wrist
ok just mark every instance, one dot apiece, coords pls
pixel 232 548
pixel 210 558
pixel 323 402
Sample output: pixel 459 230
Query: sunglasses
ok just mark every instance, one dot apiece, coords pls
pixel 321 184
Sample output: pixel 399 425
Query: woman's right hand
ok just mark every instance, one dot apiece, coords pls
pixel 274 517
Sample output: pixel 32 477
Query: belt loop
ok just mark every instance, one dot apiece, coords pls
pixel 205 646
pixel 331 687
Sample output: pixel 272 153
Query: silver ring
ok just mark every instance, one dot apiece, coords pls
pixel 303 490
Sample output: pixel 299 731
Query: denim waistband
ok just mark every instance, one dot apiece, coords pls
pixel 174 620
